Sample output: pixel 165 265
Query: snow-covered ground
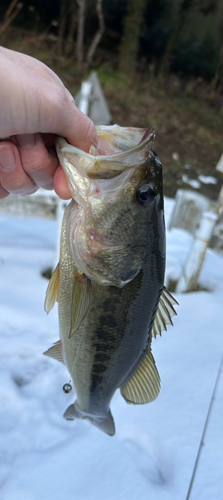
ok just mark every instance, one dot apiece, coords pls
pixel 153 453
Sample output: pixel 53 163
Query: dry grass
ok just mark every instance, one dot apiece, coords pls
pixel 183 125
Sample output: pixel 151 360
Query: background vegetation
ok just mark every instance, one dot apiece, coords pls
pixel 160 63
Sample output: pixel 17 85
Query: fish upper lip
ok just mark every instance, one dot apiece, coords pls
pixel 149 137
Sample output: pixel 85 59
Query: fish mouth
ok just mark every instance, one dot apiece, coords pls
pixel 118 149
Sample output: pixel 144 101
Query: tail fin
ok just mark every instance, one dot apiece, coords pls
pixel 105 424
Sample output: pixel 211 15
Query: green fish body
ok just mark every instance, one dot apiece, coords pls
pixel 109 281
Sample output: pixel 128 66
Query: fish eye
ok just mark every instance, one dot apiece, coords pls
pixel 146 194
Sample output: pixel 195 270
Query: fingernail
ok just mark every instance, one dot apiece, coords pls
pixel 7 158
pixel 26 141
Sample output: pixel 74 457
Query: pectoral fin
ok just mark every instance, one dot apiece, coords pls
pixel 144 386
pixel 55 351
pixel 81 301
pixel 52 290
pixel 164 313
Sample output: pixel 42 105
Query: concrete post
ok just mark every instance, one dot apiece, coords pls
pixel 86 88
pixel 195 258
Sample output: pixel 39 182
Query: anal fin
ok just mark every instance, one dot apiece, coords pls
pixel 144 385
pixel 55 351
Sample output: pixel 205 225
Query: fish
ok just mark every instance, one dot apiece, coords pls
pixel 109 282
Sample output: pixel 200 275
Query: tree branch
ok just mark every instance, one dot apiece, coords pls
pixel 98 35
pixel 80 33
pixel 72 27
pixel 11 14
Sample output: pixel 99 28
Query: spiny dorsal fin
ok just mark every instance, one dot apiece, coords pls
pixel 81 301
pixel 55 351
pixel 52 290
pixel 144 386
pixel 164 313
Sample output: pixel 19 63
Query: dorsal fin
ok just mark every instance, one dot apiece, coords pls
pixel 144 386
pixel 52 290
pixel 55 351
pixel 164 313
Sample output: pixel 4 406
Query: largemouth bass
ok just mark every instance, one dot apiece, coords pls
pixel 109 282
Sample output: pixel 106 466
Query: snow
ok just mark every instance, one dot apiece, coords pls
pixel 207 179
pixel 192 182
pixel 153 453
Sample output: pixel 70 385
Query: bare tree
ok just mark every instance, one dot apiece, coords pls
pixel 97 36
pixel 69 43
pixel 67 26
pixel 84 62
pixel 62 24
pixel 216 85
pixel 217 82
pixel 131 36
pixel 80 34
pixel 183 11
pixel 10 14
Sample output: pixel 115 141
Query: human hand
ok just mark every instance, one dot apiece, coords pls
pixel 34 106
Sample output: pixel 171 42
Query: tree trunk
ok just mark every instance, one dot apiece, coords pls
pixel 80 34
pixel 218 78
pixel 97 37
pixel 10 14
pixel 130 40
pixel 184 9
pixel 62 25
pixel 69 44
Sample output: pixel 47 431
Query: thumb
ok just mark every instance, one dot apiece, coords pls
pixel 69 122
pixel 80 130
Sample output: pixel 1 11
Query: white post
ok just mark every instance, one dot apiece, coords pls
pixel 195 258
pixel 86 89
pixel 220 201
pixel 219 165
